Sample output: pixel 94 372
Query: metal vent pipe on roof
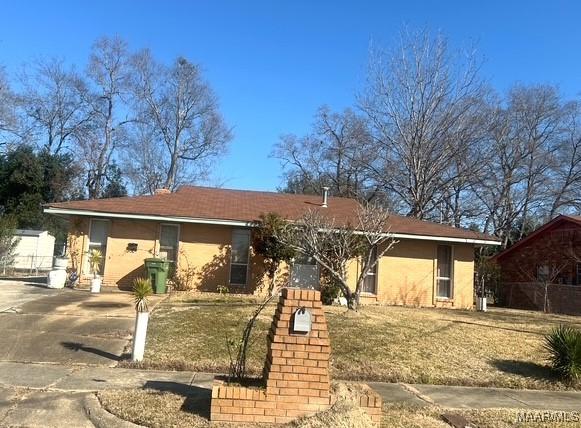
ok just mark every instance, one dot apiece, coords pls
pixel 325 197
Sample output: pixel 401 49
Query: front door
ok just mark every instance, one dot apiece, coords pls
pixel 98 234
pixel 168 244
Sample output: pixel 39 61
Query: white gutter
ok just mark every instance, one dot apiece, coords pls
pixel 443 238
pixel 63 211
pixel 238 223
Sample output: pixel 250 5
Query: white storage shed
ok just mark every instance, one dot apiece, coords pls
pixel 34 251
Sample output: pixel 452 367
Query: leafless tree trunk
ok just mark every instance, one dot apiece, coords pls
pixel 544 279
pixel 184 116
pixel 523 139
pixel 8 115
pixel 54 102
pixel 537 115
pixel 334 154
pixel 144 161
pixel 421 101
pixel 566 177
pixel 109 71
pixel 334 245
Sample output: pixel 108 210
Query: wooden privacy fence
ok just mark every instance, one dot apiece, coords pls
pixel 562 299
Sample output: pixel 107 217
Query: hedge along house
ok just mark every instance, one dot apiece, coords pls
pixel 209 230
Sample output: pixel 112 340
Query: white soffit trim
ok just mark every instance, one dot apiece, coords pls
pixel 64 211
pixel 445 239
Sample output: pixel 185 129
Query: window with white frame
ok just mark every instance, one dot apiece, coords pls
pixel 98 234
pixel 444 272
pixel 370 281
pixel 239 256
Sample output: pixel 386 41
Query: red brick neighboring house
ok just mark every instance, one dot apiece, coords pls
pixel 546 261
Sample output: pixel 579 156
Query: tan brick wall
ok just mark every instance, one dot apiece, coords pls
pixel 121 265
pixel 77 242
pixel 463 276
pixel 406 275
pixel 207 248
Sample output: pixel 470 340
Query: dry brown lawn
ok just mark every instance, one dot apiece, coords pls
pixel 167 410
pixel 500 348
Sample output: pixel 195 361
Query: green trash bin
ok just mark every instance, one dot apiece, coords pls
pixel 157 270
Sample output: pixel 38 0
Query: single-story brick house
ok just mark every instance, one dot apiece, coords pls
pixel 209 229
pixel 549 255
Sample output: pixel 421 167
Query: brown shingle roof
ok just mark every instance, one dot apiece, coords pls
pixel 245 205
pixel 538 232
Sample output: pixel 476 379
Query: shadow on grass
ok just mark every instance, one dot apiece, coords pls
pixel 521 316
pixel 226 304
pixel 526 369
pixel 495 327
pixel 197 399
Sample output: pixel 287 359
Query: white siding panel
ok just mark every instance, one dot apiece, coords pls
pixel 34 252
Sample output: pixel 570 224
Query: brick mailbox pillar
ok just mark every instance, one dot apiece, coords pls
pixel 296 372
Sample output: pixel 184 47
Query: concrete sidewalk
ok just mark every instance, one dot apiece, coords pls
pixel 463 397
pixel 79 379
pixel 45 395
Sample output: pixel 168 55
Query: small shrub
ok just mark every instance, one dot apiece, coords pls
pixel 184 279
pixel 95 259
pixel 223 290
pixel 329 291
pixel 564 346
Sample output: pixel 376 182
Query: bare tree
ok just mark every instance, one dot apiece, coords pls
pixel 334 245
pixel 458 203
pixel 334 154
pixel 8 115
pixel 421 100
pixel 54 101
pixel 565 189
pixel 184 116
pixel 524 137
pixel 144 160
pixel 537 114
pixel 108 70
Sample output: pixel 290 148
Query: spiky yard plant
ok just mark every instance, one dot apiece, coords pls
pixel 563 344
pixel 95 260
pixel 141 291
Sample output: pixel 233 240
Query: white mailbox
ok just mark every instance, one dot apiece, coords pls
pixel 302 321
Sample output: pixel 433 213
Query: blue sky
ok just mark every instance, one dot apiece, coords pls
pixel 273 63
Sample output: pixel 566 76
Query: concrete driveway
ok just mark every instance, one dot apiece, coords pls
pixel 64 326
pixel 15 293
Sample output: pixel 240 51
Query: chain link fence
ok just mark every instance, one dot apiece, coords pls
pixel 26 265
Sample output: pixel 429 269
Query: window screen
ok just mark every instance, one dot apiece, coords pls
pixel 239 256
pixel 444 272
